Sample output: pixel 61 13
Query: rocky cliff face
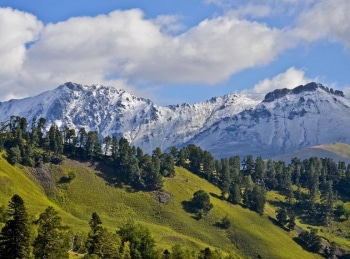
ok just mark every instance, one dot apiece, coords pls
pixel 285 120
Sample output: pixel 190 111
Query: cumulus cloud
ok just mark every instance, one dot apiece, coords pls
pixel 170 23
pixel 326 19
pixel 291 78
pixel 124 46
pixel 260 9
pixel 211 52
pixel 16 30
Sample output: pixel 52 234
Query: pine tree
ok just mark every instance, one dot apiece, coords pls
pixel 257 199
pixel 281 215
pixel 141 241
pixel 201 202
pixel 14 238
pixel 52 241
pixel 94 237
pixel 235 194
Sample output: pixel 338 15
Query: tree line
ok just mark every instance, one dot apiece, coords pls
pixel 130 165
pixel 313 187
pixel 54 240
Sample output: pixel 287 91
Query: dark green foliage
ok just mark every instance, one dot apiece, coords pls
pixel 78 243
pixel 339 210
pixel 130 165
pixel 14 155
pixel 152 179
pixel 179 252
pixel 14 238
pixel 93 239
pixel 291 222
pixel 100 241
pixel 282 216
pixel 255 199
pixel 311 240
pixel 55 140
pixel 167 165
pixel 93 146
pixel 141 241
pixel 52 241
pixel 330 250
pixel 225 222
pixel 235 194
pixel 201 202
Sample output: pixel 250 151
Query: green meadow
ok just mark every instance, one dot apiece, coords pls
pixel 249 235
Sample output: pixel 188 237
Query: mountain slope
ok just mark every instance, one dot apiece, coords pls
pixel 283 122
pixel 336 151
pixel 308 116
pixel 249 235
pixel 116 112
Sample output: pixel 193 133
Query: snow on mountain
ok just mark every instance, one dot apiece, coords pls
pixel 285 121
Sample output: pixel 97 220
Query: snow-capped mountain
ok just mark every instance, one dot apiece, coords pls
pixel 285 121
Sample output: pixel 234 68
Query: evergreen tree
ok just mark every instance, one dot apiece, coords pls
pixel 107 141
pixel 208 165
pixel 260 170
pixel 152 179
pixel 225 177
pixel 14 238
pixel 257 199
pixel 114 147
pixel 235 194
pixel 52 241
pixel 14 155
pixel 291 222
pixel 94 237
pixel 281 215
pixel 201 202
pixel 93 145
pixel 141 241
pixel 311 240
pixel 167 165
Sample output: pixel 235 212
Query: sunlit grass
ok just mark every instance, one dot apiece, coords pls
pixel 249 235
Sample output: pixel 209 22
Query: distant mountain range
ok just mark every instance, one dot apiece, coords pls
pixel 283 122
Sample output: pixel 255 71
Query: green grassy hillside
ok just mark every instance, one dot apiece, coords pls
pixel 250 235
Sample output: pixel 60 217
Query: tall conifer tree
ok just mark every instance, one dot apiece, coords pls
pixel 14 238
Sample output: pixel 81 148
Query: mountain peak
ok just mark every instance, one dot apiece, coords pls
pixel 310 87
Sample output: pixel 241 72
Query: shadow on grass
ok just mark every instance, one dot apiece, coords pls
pixel 187 206
pixel 277 203
pixel 64 179
pixel 301 243
pixel 276 223
pixel 215 196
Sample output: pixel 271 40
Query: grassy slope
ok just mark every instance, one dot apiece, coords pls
pixel 169 223
pixel 337 151
pixel 14 181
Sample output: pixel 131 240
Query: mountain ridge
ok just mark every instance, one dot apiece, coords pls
pixel 232 124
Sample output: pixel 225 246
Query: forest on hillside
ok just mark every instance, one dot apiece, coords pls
pixel 315 188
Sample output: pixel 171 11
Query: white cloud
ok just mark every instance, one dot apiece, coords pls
pixel 291 78
pixel 16 30
pixel 170 23
pixel 124 47
pixel 326 19
pixel 259 9
pixel 211 52
pixel 346 91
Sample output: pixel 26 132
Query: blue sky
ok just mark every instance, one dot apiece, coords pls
pixel 173 51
